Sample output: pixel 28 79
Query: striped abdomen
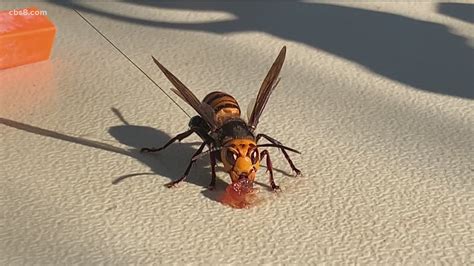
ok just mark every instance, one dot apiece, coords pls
pixel 224 105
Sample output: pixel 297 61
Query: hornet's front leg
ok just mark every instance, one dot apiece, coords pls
pixel 287 157
pixel 212 185
pixel 269 169
pixel 179 137
pixel 193 160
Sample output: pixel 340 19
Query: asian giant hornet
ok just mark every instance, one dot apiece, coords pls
pixel 228 137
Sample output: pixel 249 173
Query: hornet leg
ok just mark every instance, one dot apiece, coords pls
pixel 174 182
pixel 269 169
pixel 179 137
pixel 212 185
pixel 287 157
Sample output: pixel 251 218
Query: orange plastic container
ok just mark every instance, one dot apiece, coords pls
pixel 26 36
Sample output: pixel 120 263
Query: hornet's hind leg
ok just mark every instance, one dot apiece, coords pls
pixel 193 160
pixel 179 137
pixel 287 157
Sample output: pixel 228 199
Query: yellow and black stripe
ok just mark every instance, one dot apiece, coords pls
pixel 224 105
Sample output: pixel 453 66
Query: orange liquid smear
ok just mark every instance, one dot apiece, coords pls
pixel 240 195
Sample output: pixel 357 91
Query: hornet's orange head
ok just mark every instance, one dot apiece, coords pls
pixel 241 159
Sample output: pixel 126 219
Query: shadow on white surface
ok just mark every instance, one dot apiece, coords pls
pixel 461 11
pixel 169 163
pixel 421 54
pixel 62 136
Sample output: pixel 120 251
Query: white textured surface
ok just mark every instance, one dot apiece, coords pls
pixel 387 155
